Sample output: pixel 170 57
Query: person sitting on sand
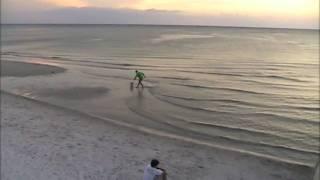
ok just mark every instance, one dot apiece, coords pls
pixel 152 171
pixel 140 76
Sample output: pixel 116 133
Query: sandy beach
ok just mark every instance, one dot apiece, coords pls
pixel 44 141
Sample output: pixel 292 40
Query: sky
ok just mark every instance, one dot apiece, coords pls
pixel 256 13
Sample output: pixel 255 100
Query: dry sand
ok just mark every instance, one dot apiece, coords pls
pixel 42 141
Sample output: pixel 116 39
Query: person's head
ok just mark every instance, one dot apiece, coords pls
pixel 154 163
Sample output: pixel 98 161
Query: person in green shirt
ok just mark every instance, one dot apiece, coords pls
pixel 140 76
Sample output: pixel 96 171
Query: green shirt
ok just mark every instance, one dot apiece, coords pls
pixel 140 75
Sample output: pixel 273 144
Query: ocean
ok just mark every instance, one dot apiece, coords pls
pixel 252 90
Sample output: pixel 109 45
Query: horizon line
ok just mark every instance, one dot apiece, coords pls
pixel 182 25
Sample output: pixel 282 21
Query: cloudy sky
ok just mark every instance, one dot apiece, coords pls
pixel 265 13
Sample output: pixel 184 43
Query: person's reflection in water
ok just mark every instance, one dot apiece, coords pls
pixel 140 94
pixel 131 86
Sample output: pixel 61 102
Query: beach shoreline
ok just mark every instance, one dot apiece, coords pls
pixel 43 140
pixel 32 147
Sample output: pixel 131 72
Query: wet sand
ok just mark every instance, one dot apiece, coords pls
pixel 76 92
pixel 44 141
pixel 20 69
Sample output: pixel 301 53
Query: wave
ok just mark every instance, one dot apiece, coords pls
pixel 244 144
pixel 218 88
pixel 210 110
pixel 106 76
pixel 92 60
pixel 132 66
pixel 294 86
pixel 252 133
pixel 277 95
pixel 272 117
pixel 247 75
pixel 77 60
pixel 80 62
pixel 248 62
pixel 210 73
pixel 283 78
pixel 283 118
pixel 244 103
pixel 212 99
pixel 175 37
pixel 174 78
pixel 126 66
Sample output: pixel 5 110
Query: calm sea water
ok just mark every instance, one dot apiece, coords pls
pixel 250 89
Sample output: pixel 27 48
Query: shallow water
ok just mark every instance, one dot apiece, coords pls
pixel 249 89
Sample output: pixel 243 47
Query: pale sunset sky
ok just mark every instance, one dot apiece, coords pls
pixel 256 13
